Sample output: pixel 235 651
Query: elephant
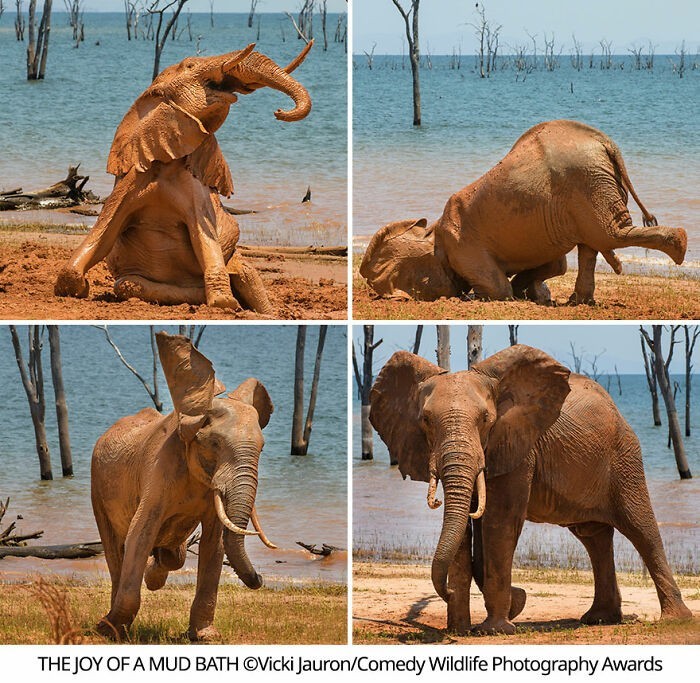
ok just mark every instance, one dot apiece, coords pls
pixel 163 231
pixel 155 478
pixel 535 442
pixel 562 185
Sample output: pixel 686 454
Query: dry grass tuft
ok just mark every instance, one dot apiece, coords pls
pixel 55 600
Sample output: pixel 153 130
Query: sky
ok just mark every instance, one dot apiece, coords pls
pixel 443 24
pixel 614 345
pixel 219 5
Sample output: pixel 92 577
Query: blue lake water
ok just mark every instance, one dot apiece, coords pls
pixel 300 498
pixel 71 117
pixel 390 514
pixel 470 123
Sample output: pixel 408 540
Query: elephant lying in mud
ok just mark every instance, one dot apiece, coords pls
pixel 155 478
pixel 537 443
pixel 562 185
pixel 163 231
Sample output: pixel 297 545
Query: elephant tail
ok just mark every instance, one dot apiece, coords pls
pixel 616 157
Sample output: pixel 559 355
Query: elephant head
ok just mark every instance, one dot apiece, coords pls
pixel 222 440
pixel 463 427
pixel 176 116
pixel 400 261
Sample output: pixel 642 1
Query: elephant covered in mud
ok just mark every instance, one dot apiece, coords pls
pixel 518 437
pixel 155 478
pixel 163 231
pixel 562 185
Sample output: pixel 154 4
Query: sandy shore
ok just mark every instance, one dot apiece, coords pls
pixel 300 286
pixel 396 603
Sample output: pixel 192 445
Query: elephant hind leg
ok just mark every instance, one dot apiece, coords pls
pixel 672 241
pixel 607 602
pixel 584 289
pixel 530 283
pixel 160 563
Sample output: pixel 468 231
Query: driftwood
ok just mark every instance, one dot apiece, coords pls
pixel 67 192
pixel 263 252
pixel 54 552
pixel 325 550
pixel 7 538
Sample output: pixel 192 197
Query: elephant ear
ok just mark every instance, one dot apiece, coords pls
pixel 253 392
pixel 395 411
pixel 530 388
pixel 191 381
pixel 208 165
pixel 154 129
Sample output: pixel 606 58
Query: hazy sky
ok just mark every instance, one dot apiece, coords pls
pixel 616 344
pixel 443 24
pixel 219 5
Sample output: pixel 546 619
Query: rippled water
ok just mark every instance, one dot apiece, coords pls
pixel 470 123
pixel 71 117
pixel 390 514
pixel 299 498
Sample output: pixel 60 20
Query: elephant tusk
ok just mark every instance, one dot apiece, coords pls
pixel 258 528
pixel 299 58
pixel 433 503
pixel 223 518
pixel 481 495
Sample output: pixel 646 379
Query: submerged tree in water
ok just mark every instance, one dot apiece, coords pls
pixel 410 18
pixel 38 45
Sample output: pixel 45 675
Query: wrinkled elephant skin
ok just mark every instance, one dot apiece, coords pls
pixel 535 442
pixel 562 185
pixel 156 477
pixel 163 231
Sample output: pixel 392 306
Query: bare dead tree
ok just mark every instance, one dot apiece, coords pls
pixel 651 382
pixel 533 38
pixel 153 392
pixel 20 23
pixel 76 19
pixel 636 53
pixel 192 332
pixel 32 376
pixel 680 67
pixel 619 381
pixel 60 401
pixel 605 54
pixel 323 11
pixel 211 13
pixel 251 13
pixel 576 59
pixel 513 334
pixel 410 18
pixel 576 357
pixel 370 56
pixel 475 342
pixel 305 24
pixel 691 335
pixel 551 61
pixel 364 386
pixel 416 340
pixel 297 28
pixel 443 350
pixel 662 376
pixel 38 41
pixel 161 35
pixel 649 59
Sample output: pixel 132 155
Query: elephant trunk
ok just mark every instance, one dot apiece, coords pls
pixel 238 484
pixel 268 73
pixel 458 475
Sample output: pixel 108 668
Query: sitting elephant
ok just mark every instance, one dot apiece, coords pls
pixel 155 478
pixel 563 184
pixel 163 231
pixel 537 443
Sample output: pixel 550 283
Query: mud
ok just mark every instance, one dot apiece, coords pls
pixel 300 287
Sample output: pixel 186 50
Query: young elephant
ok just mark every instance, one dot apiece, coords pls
pixel 537 443
pixel 562 185
pixel 155 478
pixel 163 231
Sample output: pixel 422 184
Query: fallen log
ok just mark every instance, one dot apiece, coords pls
pixel 54 552
pixel 247 250
pixel 67 192
pixel 324 551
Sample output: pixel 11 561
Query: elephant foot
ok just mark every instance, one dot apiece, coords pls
pixel 116 632
pixel 71 283
pixel 458 618
pixel 540 294
pixel 518 598
pixel 155 575
pixel 576 299
pixel 677 245
pixel 207 634
pixel 492 626
pixel 600 615
pixel 675 612
pixel 223 300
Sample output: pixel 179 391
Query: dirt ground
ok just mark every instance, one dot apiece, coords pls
pixel 300 286
pixel 618 297
pixel 397 604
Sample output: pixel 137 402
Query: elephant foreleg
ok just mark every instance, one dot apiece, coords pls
pixel 607 603
pixel 247 284
pixel 487 278
pixel 117 209
pixel 459 579
pixel 211 557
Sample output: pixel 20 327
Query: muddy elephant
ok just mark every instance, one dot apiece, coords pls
pixel 155 478
pixel 163 231
pixel 562 185
pixel 536 443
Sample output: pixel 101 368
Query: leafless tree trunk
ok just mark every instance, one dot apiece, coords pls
pixel 606 54
pixel 323 10
pixel 19 21
pixel 60 400
pixel 443 346
pixel 370 56
pixel 410 19
pixel 662 376
pixel 576 357
pixel 690 339
pixel 651 382
pixel 416 341
pixel 160 39
pixel 2 8
pixel 475 336
pixel 364 386
pixel 211 13
pixel 576 60
pixel 76 13
pixel 513 334
pixel 38 45
pixel 192 332
pixel 33 382
pixel 251 13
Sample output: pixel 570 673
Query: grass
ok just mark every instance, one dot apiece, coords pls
pixel 57 228
pixel 310 614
